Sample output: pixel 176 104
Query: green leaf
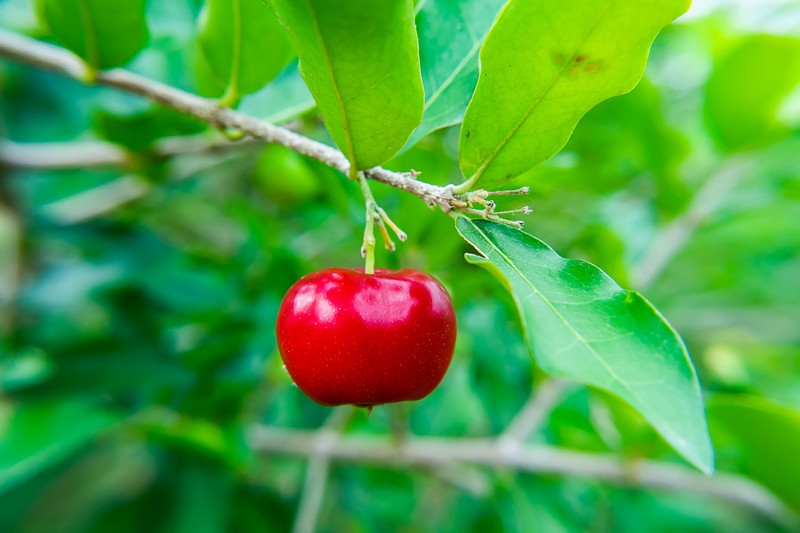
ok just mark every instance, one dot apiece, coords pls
pixel 766 440
pixel 543 66
pixel 581 325
pixel 361 63
pixel 746 88
pixel 450 36
pixel 105 33
pixel 244 45
pixel 38 435
pixel 281 100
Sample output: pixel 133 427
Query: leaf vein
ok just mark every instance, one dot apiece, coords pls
pixel 555 311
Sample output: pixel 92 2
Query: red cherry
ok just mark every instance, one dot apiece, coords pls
pixel 347 337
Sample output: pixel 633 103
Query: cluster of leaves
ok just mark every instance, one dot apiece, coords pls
pixel 138 338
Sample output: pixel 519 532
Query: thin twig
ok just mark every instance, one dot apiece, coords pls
pixel 533 414
pixel 97 201
pixel 437 452
pixel 317 471
pixel 101 154
pixel 62 155
pixel 48 57
pixel 769 324
pixel 674 236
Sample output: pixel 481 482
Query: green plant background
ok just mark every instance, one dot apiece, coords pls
pixel 137 305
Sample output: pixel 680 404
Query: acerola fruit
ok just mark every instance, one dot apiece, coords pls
pixel 347 337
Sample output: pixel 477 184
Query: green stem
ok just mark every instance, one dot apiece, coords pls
pixel 464 187
pixel 231 96
pixel 89 76
pixel 368 248
pixel 92 52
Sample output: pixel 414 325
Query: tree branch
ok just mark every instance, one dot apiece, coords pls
pixel 539 459
pixel 770 324
pixel 101 154
pixel 48 57
pixel 533 414
pixel 673 237
pixel 61 155
pixel 97 201
pixel 104 198
pixel 317 471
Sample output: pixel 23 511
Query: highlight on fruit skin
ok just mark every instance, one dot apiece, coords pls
pixel 347 337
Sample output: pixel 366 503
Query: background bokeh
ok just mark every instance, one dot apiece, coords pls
pixel 138 299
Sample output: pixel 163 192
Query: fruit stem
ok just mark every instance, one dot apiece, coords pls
pixel 376 217
pixel 389 222
pixel 368 247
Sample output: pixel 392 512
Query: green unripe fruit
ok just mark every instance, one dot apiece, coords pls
pixel 284 177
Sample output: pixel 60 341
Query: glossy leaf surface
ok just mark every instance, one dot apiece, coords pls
pixel 244 44
pixel 581 325
pixel 105 33
pixel 450 36
pixel 361 62
pixel 543 66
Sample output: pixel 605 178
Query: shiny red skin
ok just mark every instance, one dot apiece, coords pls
pixel 347 337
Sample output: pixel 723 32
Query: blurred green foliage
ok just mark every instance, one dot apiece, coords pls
pixel 137 304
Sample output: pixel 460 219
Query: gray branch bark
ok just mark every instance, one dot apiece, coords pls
pixel 48 57
pixel 434 452
pixel 670 240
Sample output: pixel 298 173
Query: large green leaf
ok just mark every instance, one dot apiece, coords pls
pixel 105 33
pixel 38 435
pixel 361 63
pixel 746 88
pixel 244 44
pixel 765 438
pixel 544 64
pixel 581 325
pixel 450 36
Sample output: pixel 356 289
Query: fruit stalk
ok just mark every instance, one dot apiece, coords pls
pixel 375 216
pixel 368 247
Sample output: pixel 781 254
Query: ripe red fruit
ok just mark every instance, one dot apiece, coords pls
pixel 347 337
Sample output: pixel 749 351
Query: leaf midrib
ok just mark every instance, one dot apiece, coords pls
pixel 547 302
pixel 92 52
pixel 233 81
pixel 336 92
